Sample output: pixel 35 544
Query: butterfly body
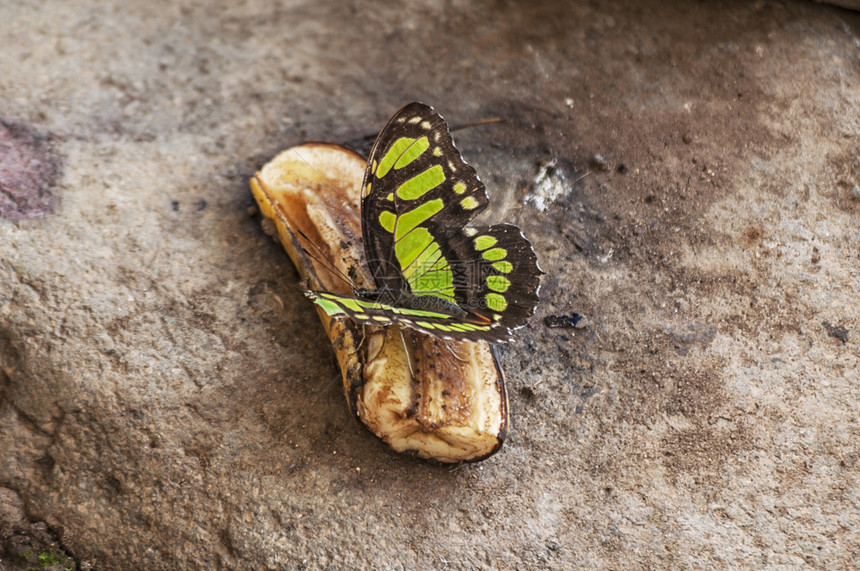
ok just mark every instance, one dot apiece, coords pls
pixel 433 271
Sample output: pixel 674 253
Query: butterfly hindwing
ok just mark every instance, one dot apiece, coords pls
pixel 501 277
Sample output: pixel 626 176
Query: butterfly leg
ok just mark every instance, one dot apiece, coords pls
pixel 408 354
pixel 454 353
pixel 360 343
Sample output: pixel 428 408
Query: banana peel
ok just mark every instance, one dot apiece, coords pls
pixel 442 400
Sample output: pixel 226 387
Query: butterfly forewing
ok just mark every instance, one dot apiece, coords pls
pixel 416 190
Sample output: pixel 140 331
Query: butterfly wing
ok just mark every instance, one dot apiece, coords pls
pixel 418 198
pixel 433 321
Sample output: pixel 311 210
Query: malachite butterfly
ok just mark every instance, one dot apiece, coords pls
pixel 433 271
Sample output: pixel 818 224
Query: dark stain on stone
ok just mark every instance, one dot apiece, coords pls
pixel 29 170
pixel 564 321
pixel 702 452
pixel 752 235
pixel 693 335
pixel 836 331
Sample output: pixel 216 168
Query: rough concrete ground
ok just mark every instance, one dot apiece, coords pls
pixel 689 175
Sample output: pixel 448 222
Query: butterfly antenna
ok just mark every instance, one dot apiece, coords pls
pixel 323 261
pixel 363 143
pixel 477 123
pixel 320 176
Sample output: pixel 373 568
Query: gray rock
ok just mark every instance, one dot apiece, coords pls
pixel 168 399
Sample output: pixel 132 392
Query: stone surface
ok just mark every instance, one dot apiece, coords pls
pixel 169 399
pixel 849 4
